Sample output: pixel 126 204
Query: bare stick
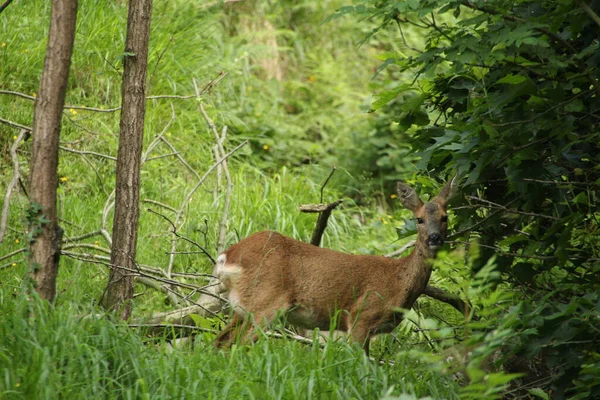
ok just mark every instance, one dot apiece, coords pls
pixel 510 210
pixel 84 236
pixel 157 139
pixel 14 253
pixel 15 125
pixel 174 232
pixel 402 249
pixel 159 204
pixel 188 198
pixel 324 211
pixel 170 326
pixel 181 159
pixel 333 169
pixel 13 182
pixel 219 154
pixel 161 288
pixel 83 152
pixel 455 301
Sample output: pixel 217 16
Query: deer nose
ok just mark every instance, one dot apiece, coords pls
pixel 435 239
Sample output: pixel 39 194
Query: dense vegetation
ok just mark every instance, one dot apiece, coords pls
pixel 504 93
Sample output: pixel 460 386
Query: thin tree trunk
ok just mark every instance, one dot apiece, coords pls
pixel 119 291
pixel 44 232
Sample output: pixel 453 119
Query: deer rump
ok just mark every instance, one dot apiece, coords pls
pixel 268 273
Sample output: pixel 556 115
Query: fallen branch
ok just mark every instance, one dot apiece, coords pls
pixel 13 182
pixel 455 301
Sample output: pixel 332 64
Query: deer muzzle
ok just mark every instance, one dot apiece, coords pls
pixel 434 240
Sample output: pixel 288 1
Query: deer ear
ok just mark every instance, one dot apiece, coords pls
pixel 447 191
pixel 408 197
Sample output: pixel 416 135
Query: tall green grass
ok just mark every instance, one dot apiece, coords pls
pixel 54 353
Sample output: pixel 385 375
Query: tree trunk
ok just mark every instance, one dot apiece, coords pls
pixel 119 291
pixel 44 232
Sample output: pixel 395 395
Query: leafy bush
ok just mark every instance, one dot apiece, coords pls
pixel 512 94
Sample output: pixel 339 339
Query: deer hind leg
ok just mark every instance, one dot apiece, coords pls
pixel 361 333
pixel 245 328
pixel 262 319
pixel 232 331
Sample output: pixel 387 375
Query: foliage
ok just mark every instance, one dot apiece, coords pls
pixel 507 93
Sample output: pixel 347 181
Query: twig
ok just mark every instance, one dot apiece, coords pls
pixel 84 236
pixel 333 169
pixel 85 246
pixel 161 288
pixel 181 159
pixel 209 86
pixel 188 198
pixel 455 301
pixel 15 125
pixel 176 326
pixel 402 249
pixel 14 253
pixel 511 210
pixel 13 182
pixel 174 232
pixel 159 204
pixel 84 152
pixel 219 154
pixel 475 225
pixel 157 139
pixel 507 253
pixel 590 12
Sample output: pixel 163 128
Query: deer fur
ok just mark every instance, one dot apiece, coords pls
pixel 268 274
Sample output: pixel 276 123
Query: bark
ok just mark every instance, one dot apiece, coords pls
pixel 45 234
pixel 119 291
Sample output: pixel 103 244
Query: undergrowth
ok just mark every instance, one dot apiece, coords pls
pixel 51 353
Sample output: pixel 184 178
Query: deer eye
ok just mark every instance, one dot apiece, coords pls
pixel 420 221
pixel 445 218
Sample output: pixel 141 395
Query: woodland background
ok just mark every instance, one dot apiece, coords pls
pixel 506 94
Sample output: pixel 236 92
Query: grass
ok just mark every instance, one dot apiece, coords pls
pixel 51 353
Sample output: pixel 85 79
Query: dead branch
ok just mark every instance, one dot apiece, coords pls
pixel 15 125
pixel 219 154
pixel 14 253
pixel 324 211
pixel 84 152
pixel 13 182
pixel 157 203
pixel 158 287
pixel 188 198
pixel 162 327
pixel 157 140
pixel 174 232
pixel 511 210
pixel 455 301
pixel 401 250
pixel 208 87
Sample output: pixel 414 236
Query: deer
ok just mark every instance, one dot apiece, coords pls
pixel 267 275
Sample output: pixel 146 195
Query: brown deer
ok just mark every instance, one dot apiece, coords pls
pixel 268 274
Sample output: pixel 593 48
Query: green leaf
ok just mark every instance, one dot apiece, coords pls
pixel 512 79
pixel 409 229
pixel 539 393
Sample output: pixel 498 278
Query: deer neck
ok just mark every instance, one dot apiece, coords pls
pixel 420 261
